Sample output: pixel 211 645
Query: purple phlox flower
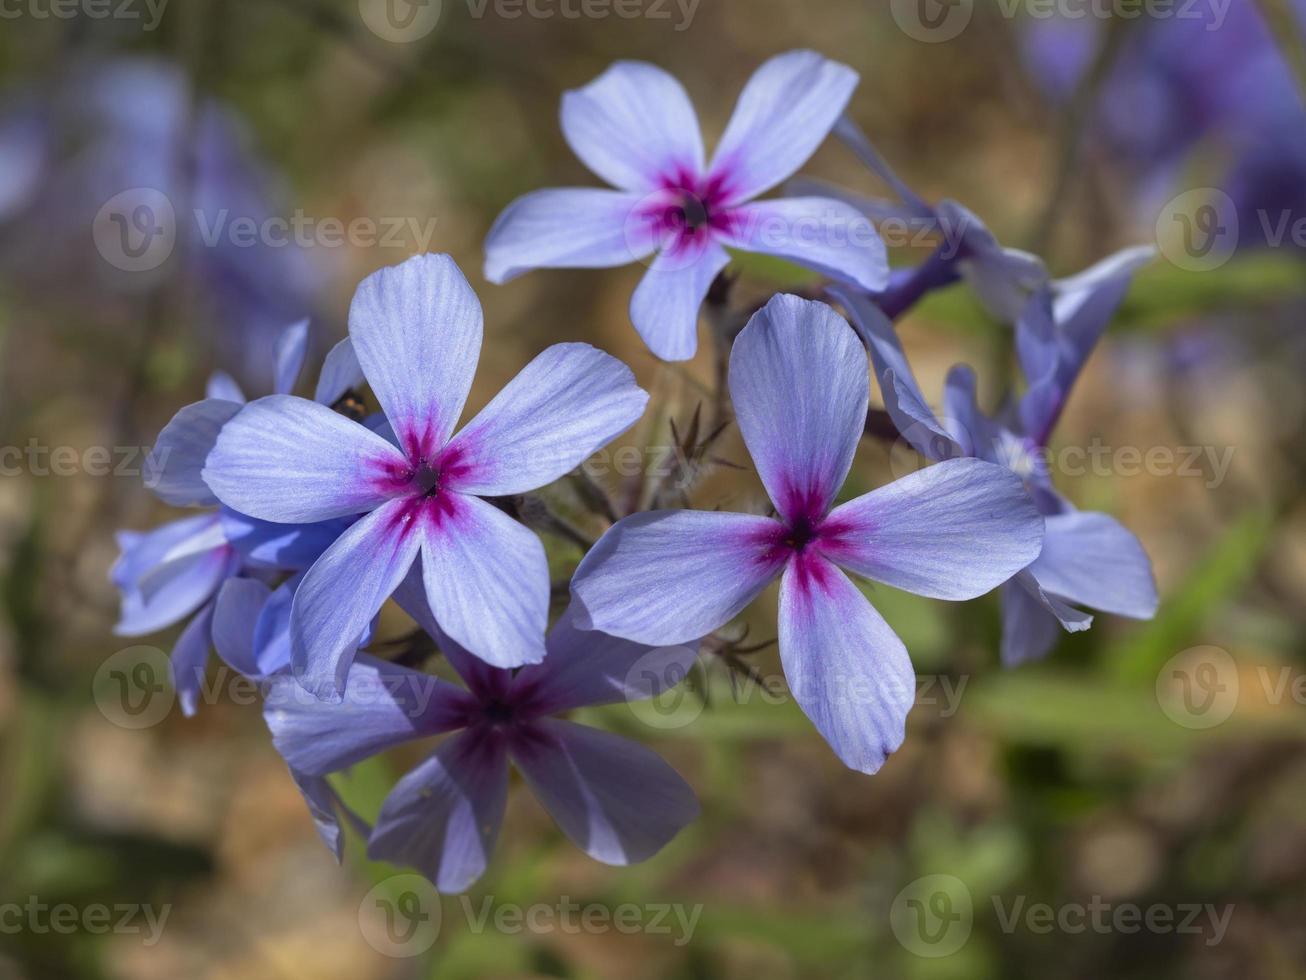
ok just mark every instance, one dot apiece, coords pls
pixel 416 330
pixel 634 127
pixel 613 797
pixel 1002 278
pixel 798 377
pixel 176 570
pixel 1088 560
pixel 251 632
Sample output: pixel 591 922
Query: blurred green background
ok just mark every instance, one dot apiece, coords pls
pixel 1088 777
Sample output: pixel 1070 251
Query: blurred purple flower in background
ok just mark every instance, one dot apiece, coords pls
pixel 613 797
pixel 133 131
pixel 416 329
pixel 634 126
pixel 1212 83
pixel 798 378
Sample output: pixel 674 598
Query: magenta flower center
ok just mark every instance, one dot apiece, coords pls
pixel 688 210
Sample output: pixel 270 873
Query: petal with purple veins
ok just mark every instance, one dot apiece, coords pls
pixel 616 799
pixel 444 817
pixel 292 461
pixel 668 577
pixel 633 126
pixel 800 385
pixel 344 589
pixel 566 404
pixel 568 228
pixel 416 329
pixel 953 530
pixel 786 110
pixel 846 668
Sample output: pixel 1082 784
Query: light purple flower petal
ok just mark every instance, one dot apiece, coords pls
pixel 903 399
pixel 667 577
pixel 416 329
pixel 846 668
pixel 633 126
pixel 1029 630
pixel 288 357
pixel 975 432
pixel 953 530
pixel 567 228
pixel 588 667
pixel 340 372
pixel 190 658
pixel 820 233
pixel 223 387
pixel 344 589
pixel 617 800
pixel 564 405
pixel 142 552
pixel 287 547
pixel 665 306
pixel 487 579
pixel 326 808
pixel 485 682
pixel 171 573
pixel 293 461
pixel 1095 561
pixel 443 817
pixel 567 403
pixel 384 705
pixel 175 465
pixel 272 629
pixel 799 381
pixel 787 108
pixel 851 135
pixel 235 615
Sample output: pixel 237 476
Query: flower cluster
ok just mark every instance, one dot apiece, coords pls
pixel 319 511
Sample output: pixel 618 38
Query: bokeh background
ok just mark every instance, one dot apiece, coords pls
pixel 1154 764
